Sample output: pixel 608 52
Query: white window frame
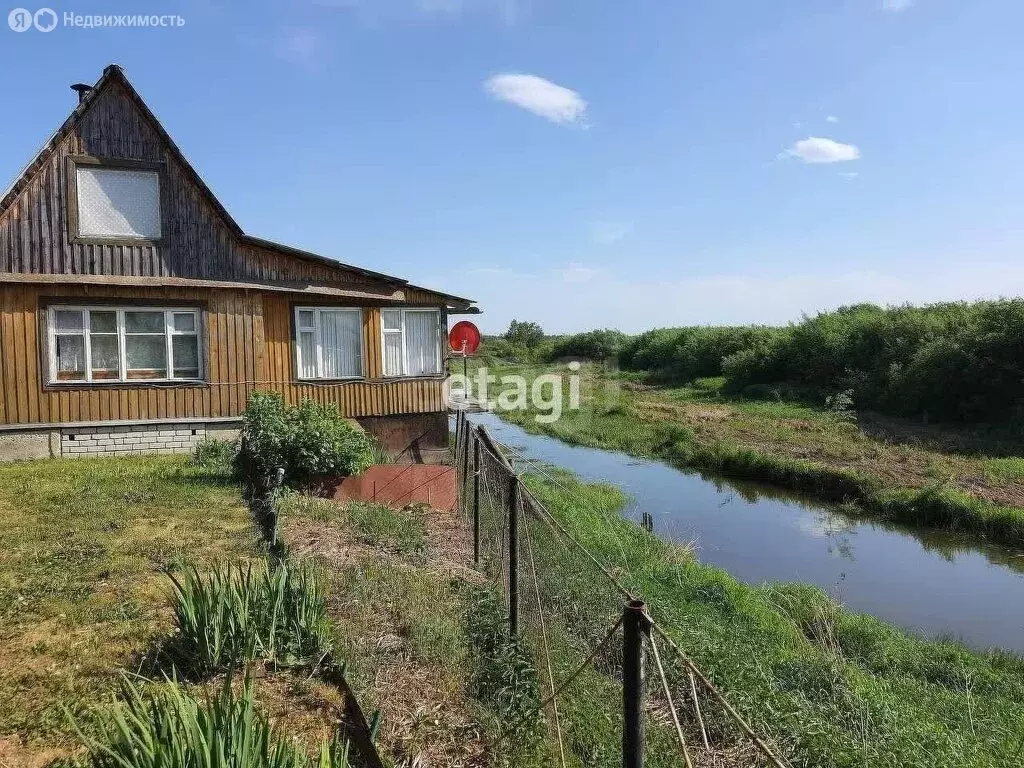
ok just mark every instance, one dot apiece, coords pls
pixel 315 328
pixel 383 332
pixel 122 373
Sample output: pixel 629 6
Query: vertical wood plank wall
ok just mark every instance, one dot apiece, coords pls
pixel 248 346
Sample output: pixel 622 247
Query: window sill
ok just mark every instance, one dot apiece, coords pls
pixel 130 384
pixel 338 380
pixel 117 240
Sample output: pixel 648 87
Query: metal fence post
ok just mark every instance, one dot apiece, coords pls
pixel 476 498
pixel 466 426
pixel 458 438
pixel 513 556
pixel 635 626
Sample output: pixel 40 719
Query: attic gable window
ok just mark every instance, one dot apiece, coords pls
pixel 117 202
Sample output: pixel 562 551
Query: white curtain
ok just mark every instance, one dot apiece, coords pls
pixel 392 354
pixel 307 354
pixel 340 342
pixel 421 348
pixel 118 202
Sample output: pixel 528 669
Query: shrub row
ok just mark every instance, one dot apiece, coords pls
pixel 689 353
pixel 953 361
pixel 950 361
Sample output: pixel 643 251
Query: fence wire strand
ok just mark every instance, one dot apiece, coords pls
pixel 583 603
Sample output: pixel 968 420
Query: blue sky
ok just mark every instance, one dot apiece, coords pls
pixel 585 163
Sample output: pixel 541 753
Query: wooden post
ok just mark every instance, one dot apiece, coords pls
pixel 513 557
pixel 466 427
pixel 635 626
pixel 476 499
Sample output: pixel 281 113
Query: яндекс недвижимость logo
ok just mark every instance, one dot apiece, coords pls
pixel 22 19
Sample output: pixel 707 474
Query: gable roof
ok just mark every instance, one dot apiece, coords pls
pixel 114 73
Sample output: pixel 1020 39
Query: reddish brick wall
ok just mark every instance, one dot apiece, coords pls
pixel 418 438
pixel 399 486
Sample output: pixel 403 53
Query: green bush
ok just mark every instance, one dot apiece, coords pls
pixel 306 440
pixel 264 434
pixel 322 442
pixel 239 613
pixel 214 454
pixel 592 345
pixel 951 361
pixel 688 353
pixel 170 728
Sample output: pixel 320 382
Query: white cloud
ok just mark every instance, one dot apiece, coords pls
pixel 542 97
pixel 849 174
pixel 895 6
pixel 831 119
pixel 609 232
pixel 815 149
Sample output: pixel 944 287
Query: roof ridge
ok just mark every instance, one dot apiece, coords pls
pixel 115 72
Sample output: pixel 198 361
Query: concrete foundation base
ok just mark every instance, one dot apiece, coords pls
pixel 412 438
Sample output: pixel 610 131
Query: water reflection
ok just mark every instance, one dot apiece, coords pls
pixel 933 582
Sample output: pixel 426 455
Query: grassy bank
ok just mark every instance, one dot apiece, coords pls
pixel 424 637
pixel 888 468
pixel 829 688
pixel 85 593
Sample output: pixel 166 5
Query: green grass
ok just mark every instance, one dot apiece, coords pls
pixel 789 445
pixel 170 728
pixel 83 590
pixel 1006 468
pixel 830 688
pixel 233 614
pixel 85 596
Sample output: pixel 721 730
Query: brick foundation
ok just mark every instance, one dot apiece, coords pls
pixel 131 439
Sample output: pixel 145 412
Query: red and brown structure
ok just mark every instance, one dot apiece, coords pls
pixel 136 315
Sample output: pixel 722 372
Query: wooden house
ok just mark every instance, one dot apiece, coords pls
pixel 136 315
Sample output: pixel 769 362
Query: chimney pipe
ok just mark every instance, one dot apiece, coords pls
pixel 82 89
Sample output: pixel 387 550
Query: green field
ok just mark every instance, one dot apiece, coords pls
pixel 941 477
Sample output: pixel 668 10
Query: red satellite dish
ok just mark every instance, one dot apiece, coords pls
pixel 464 337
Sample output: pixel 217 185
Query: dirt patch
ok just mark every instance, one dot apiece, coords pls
pixel 14 755
pixel 425 718
pixel 333 543
pixel 450 546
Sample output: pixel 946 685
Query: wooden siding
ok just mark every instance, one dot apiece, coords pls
pixel 248 346
pixel 197 240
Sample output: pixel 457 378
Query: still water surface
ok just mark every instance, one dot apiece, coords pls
pixel 929 582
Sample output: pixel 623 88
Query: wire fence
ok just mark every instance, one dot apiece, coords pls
pixel 600 656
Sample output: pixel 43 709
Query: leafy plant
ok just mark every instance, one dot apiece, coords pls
pixel 320 441
pixel 242 612
pixel 840 405
pixel 306 440
pixel 503 673
pixel 169 728
pixel 524 333
pixel 214 453
pixel 592 345
pixel 264 435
